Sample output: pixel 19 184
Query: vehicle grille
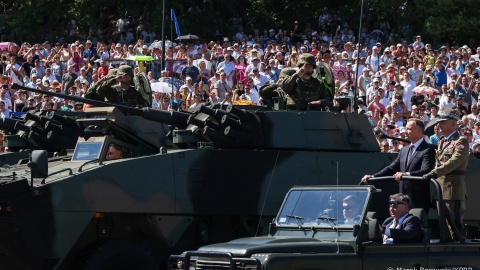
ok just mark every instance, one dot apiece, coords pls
pixel 214 265
pixel 198 260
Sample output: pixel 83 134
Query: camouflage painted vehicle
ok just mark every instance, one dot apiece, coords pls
pixel 173 191
pixel 310 232
pixel 186 179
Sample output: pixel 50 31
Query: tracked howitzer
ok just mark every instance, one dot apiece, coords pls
pixel 186 179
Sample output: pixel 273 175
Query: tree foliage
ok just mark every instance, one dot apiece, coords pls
pixel 438 21
pixel 282 13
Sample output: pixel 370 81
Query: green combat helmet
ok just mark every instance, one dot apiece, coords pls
pixel 306 58
pixel 124 69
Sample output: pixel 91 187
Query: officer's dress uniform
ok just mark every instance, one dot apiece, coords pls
pixel 452 161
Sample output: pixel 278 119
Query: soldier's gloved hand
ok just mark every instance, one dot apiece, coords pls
pixel 429 176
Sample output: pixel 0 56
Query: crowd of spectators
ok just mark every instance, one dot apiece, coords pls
pixel 380 70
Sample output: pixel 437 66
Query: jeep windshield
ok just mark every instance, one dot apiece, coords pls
pixel 342 207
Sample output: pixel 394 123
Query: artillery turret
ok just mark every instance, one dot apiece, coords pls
pixel 233 127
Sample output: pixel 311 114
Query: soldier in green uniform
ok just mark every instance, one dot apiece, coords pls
pixel 268 92
pixel 452 161
pixel 92 92
pixel 304 89
pixel 117 89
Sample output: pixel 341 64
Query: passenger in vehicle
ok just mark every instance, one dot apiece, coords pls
pixel 401 227
pixel 351 209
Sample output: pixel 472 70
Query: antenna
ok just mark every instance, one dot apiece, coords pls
pixel 338 202
pixel 336 192
pixel 337 175
pixel 266 195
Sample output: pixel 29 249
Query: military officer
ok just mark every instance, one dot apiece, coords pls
pixel 304 89
pixel 117 89
pixel 452 161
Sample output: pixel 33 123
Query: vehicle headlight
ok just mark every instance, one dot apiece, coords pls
pixel 180 264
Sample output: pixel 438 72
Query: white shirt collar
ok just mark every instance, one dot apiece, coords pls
pixel 417 144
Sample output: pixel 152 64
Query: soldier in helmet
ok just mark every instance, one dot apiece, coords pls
pixel 304 89
pixel 117 88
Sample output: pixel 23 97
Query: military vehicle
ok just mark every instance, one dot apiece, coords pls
pixel 311 232
pixel 185 179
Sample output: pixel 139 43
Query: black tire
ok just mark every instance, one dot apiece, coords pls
pixel 120 255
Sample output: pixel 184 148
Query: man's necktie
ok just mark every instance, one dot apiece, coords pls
pixel 410 153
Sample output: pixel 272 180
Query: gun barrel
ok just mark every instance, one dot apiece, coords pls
pixel 385 136
pixel 174 118
pixel 62 119
pixel 93 102
pixel 8 124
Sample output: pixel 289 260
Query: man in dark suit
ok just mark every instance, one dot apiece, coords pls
pixel 416 159
pixel 401 227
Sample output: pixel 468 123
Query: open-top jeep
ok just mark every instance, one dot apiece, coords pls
pixel 310 232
